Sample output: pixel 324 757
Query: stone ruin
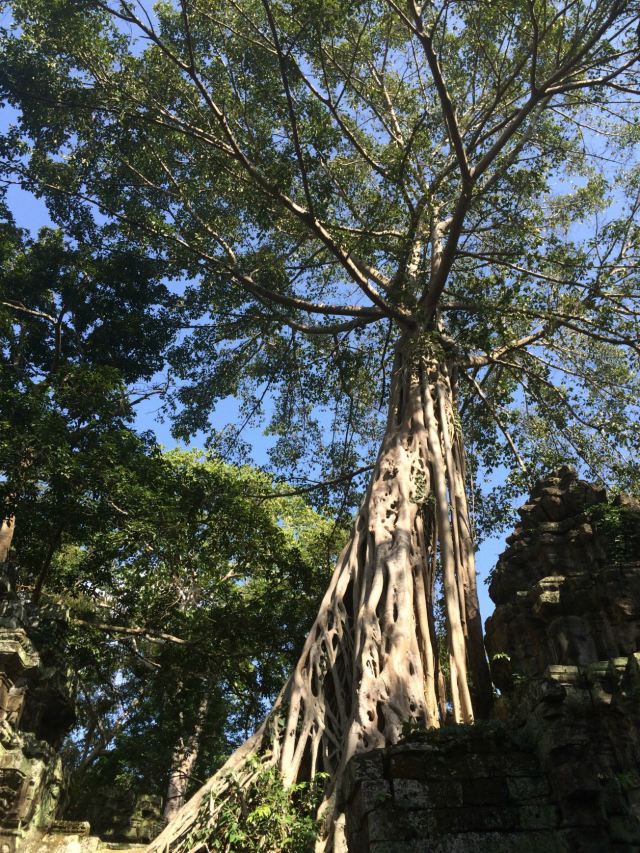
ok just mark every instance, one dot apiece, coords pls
pixel 37 711
pixel 558 768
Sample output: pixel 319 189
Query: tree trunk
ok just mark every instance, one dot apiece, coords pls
pixel 371 664
pixel 183 762
pixel 7 527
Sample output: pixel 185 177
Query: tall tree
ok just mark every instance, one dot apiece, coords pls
pixel 84 324
pixel 434 205
pixel 188 605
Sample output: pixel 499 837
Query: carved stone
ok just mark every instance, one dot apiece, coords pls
pixel 560 770
pixel 567 588
pixel 33 721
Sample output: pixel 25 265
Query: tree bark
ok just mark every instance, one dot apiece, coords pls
pixel 370 664
pixel 183 762
pixel 7 528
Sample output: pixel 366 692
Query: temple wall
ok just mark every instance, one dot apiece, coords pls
pixel 558 769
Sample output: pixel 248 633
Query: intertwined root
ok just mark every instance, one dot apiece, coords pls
pixel 371 663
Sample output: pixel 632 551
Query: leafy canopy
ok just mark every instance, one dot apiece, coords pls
pixel 195 592
pixel 184 578
pixel 332 177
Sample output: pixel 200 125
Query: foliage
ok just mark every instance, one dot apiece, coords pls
pixel 264 817
pixel 619 524
pixel 283 156
pixel 185 578
pixel 220 588
pixel 71 350
pixel 336 185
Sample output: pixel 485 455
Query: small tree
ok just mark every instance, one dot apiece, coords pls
pixel 374 201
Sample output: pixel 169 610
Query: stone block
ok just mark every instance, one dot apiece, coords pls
pixel 539 816
pixel 597 840
pixel 489 791
pixel 424 761
pixel 16 652
pixel 524 789
pixel 501 842
pixel 625 828
pixel 510 762
pixel 412 794
pixel 399 825
pixel 476 819
pixel 417 845
pixel 443 793
pixel 369 795
pixel 565 674
pixel 575 778
pixel 582 812
pixel 363 767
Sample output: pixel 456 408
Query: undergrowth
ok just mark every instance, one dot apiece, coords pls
pixel 262 817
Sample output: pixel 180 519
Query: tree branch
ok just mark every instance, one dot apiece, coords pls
pixel 448 110
pixel 150 636
pixel 498 420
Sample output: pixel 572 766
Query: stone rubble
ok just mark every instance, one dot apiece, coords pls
pixel 37 710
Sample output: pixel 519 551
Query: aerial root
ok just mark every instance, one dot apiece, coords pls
pixel 371 662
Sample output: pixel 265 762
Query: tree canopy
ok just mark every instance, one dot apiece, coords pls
pixel 305 167
pixel 189 587
pixel 187 611
pixel 400 229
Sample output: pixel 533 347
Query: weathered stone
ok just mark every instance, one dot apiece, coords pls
pixel 369 768
pixel 389 824
pixel 31 777
pixel 539 816
pixel 479 792
pixel 124 817
pixel 414 794
pixel 502 842
pixel 524 789
pixel 476 819
pixel 413 846
pixel 561 772
pixel 370 795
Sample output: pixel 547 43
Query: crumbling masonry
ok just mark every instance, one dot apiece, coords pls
pixel 558 770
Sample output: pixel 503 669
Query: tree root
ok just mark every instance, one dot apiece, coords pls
pixel 370 664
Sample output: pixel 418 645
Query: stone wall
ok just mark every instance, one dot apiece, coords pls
pixel 462 788
pixel 37 711
pixel 560 769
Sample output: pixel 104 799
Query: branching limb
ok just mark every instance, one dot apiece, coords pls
pixel 448 110
pixel 150 636
pixel 496 417
pixel 497 354
pixel 32 312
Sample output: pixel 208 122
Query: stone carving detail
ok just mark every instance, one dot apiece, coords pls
pixel 33 721
pixel 563 595
pixel 560 770
pixel 119 816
